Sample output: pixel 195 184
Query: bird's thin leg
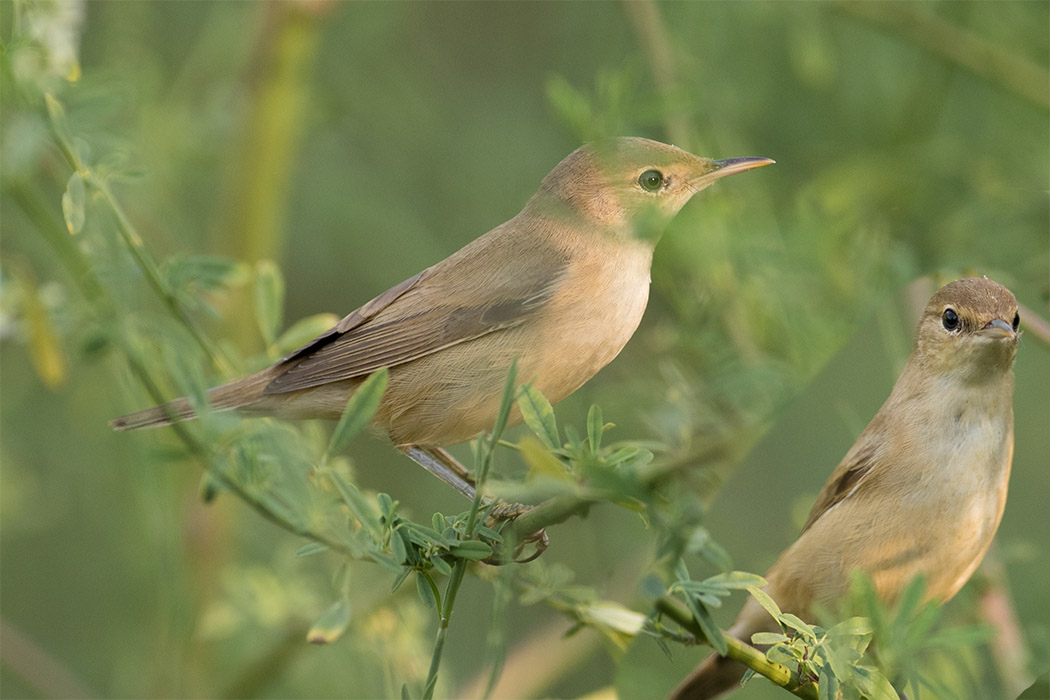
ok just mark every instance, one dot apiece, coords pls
pixel 444 466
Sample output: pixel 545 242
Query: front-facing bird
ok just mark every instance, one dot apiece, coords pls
pixel 922 490
pixel 561 288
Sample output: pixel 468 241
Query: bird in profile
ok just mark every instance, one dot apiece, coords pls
pixel 922 490
pixel 560 288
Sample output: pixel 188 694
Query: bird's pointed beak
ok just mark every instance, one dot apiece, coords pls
pixel 731 166
pixel 999 328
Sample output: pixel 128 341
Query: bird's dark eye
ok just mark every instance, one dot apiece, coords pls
pixel 1017 321
pixel 950 319
pixel 651 180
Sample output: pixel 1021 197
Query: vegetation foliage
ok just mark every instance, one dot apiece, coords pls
pixel 180 181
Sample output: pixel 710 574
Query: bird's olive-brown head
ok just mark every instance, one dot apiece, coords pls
pixel 969 330
pixel 625 182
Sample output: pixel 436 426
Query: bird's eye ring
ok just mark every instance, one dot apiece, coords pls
pixel 950 319
pixel 1017 321
pixel 651 180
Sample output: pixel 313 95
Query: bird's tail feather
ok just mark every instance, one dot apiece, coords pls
pixel 236 394
pixel 716 674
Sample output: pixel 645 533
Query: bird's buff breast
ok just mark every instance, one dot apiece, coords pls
pixel 451 396
pixel 934 517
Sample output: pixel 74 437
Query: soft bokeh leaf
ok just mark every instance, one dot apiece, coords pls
pixel 472 549
pixel 359 410
pixel 331 625
pixel 765 601
pixel 45 345
pixel 304 330
pixel 595 427
pixel 538 414
pixel 425 592
pixel 74 204
pixel 269 299
pixel 541 462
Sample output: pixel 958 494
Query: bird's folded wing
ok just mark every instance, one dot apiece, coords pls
pixel 410 321
pixel 847 477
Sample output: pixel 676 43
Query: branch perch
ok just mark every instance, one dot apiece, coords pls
pixel 778 674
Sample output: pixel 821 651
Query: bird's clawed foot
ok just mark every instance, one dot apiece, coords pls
pixel 507 512
pixel 444 466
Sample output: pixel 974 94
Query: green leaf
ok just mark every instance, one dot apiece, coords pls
pixel 425 533
pixel 796 623
pixel 269 299
pixel 840 666
pixel 201 272
pixel 400 578
pixel 441 566
pixel 210 487
pixel 505 405
pixel 540 460
pixel 331 625
pixel 304 330
pixel 387 506
pixel 425 592
pixel 827 686
pixel 748 675
pixel 765 601
pixel 397 547
pixel 45 340
pixel 969 635
pixel 74 204
pixel 405 695
pixel 736 580
pixel 572 107
pixel 356 502
pixel 708 626
pixel 852 627
pixel 701 543
pixel 768 638
pixel 311 549
pixel 539 416
pixel 873 684
pixel 359 410
pixel 911 599
pixel 595 427
pixel 57 113
pixel 472 549
pixel 489 533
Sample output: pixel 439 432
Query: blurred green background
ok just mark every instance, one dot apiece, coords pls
pixel 357 143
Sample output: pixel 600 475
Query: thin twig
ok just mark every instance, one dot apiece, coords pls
pixel 651 34
pixel 997 608
pixel 919 25
pixel 42 673
pixel 1034 324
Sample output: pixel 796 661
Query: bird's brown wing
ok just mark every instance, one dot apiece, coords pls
pixel 846 478
pixel 410 320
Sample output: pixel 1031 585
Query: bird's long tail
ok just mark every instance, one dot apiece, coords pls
pixel 714 676
pixel 237 394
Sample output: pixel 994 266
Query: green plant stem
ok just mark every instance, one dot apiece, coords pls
pixel 560 508
pixel 131 240
pixel 134 244
pixel 656 45
pixel 1034 324
pixel 454 582
pixel 484 454
pixel 778 674
pixel 109 316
